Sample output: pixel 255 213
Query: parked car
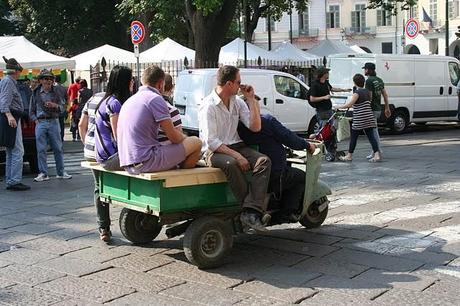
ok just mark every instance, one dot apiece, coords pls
pixel 28 135
pixel 282 95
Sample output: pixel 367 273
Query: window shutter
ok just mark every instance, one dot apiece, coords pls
pixel 379 18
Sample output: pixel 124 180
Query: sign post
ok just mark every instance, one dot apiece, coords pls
pixel 137 36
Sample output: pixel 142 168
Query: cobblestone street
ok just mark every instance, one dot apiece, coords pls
pixel 392 237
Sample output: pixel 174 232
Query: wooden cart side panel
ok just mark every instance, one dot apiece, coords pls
pixel 197 197
pixel 130 190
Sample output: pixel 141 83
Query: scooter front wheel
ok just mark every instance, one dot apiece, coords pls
pixel 316 214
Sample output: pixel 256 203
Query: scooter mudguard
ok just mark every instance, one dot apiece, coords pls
pixel 321 190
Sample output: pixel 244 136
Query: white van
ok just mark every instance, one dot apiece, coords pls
pixel 282 95
pixel 421 88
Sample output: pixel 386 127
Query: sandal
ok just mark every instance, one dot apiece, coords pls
pixel 105 234
pixel 345 158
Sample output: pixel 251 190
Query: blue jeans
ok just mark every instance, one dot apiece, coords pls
pixel 48 130
pixel 13 167
pixel 377 115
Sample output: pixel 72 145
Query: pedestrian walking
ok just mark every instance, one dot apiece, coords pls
pixel 45 106
pixel 84 94
pixel 363 119
pixel 12 110
pixel 376 86
pixel 320 98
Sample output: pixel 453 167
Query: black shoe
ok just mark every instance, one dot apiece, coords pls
pixel 252 220
pixel 18 187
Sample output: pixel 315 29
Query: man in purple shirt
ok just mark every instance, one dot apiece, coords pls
pixel 138 123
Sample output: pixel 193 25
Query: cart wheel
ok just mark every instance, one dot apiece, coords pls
pixel 314 218
pixel 138 227
pixel 207 241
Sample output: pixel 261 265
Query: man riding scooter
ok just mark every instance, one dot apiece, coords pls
pixel 287 184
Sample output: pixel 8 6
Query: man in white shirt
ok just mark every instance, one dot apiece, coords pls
pixel 218 118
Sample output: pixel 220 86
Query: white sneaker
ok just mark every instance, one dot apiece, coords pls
pixel 42 177
pixel 370 156
pixel 64 176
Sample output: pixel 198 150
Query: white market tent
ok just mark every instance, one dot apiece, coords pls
pixel 233 52
pixel 328 47
pixel 30 56
pixel 167 50
pixel 110 53
pixel 288 52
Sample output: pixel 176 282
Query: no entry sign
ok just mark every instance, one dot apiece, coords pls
pixel 137 32
pixel 412 28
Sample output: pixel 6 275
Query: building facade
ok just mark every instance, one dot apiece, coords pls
pixel 374 30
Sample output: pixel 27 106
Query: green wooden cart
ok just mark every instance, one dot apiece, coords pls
pixel 197 203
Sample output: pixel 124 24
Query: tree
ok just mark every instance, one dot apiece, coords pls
pixel 8 24
pixel 71 27
pixel 162 19
pixel 391 5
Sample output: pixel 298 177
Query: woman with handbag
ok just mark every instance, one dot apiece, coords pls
pixel 363 119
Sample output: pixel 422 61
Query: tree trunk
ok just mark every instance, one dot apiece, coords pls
pixel 209 31
pixel 257 12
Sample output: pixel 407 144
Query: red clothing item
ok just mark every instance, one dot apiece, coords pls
pixel 72 92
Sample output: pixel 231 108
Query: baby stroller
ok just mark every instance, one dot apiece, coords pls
pixel 327 134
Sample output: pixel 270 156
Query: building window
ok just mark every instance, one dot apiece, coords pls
pixel 304 21
pixel 434 10
pixel 453 9
pixel 272 24
pixel 387 48
pixel 383 18
pixel 333 16
pixel 358 18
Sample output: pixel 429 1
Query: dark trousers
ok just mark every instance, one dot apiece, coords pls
pixel 62 125
pixel 370 135
pixel 102 209
pixel 251 195
pixel 288 187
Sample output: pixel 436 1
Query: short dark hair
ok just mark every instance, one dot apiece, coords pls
pixel 168 82
pixel 152 75
pixel 359 80
pixel 226 73
pixel 83 83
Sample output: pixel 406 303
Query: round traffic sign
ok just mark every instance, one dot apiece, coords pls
pixel 137 32
pixel 412 28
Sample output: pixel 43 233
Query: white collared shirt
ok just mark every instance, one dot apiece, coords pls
pixel 218 125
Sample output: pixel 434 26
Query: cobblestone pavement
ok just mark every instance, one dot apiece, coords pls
pixel 392 238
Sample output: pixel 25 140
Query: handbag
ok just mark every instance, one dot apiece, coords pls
pixel 343 128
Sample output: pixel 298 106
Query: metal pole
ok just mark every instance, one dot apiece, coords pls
pixel 269 23
pixel 447 27
pixel 290 21
pixel 246 11
pixel 138 73
pixel 325 13
pixel 396 29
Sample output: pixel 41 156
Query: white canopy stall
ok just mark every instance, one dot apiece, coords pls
pixel 233 52
pixel 30 56
pixel 167 50
pixel 110 53
pixel 288 52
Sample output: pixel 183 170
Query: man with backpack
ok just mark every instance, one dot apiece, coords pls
pixel 320 98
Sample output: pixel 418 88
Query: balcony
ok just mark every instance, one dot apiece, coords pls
pixel 349 31
pixel 305 33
